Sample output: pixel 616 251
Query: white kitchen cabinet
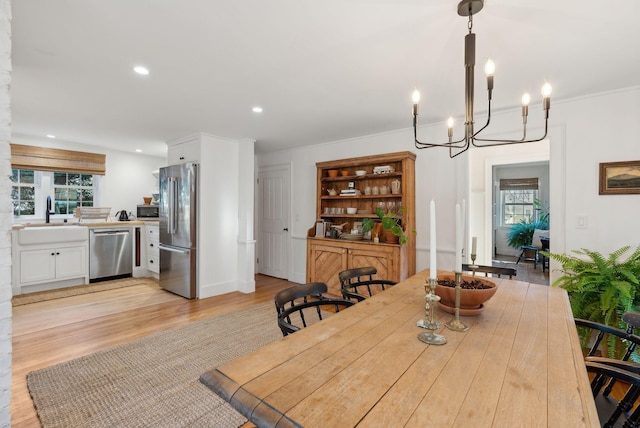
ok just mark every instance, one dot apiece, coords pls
pixel 52 264
pixel 153 254
pixel 183 151
pixel 49 257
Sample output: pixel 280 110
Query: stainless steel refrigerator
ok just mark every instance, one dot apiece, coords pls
pixel 178 210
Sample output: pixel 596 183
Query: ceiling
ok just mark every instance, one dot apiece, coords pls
pixel 321 70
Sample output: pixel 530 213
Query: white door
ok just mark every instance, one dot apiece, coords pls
pixel 273 212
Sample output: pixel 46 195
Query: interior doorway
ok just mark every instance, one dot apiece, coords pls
pixel 521 192
pixel 274 189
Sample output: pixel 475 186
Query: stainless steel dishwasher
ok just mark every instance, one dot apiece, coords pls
pixel 110 253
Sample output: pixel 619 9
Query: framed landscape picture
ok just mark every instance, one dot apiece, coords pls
pixel 620 178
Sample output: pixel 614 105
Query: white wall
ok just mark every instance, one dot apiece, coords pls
pixel 6 217
pixel 128 178
pixel 602 129
pixel 583 132
pixel 219 199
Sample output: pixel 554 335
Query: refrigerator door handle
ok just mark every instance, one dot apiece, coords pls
pixel 172 224
pixel 173 250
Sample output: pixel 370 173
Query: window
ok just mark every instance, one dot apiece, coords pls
pixel 68 191
pixel 23 192
pixel 70 178
pixel 516 200
pixel 517 206
pixel 72 191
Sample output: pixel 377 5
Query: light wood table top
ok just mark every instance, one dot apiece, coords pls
pixel 520 364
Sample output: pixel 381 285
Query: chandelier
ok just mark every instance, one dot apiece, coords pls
pixel 469 8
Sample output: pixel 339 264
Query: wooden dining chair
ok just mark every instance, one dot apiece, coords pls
pixel 302 305
pixel 357 284
pixel 493 270
pixel 611 412
pixel 597 332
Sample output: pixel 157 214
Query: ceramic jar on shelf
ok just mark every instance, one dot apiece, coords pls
pixel 395 186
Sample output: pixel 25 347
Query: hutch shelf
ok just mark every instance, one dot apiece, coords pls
pixel 386 181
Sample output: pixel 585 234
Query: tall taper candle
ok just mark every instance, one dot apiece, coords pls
pixel 464 228
pixel 433 273
pixel 474 244
pixel 458 256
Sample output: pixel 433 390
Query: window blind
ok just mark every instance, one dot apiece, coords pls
pixel 56 160
pixel 519 183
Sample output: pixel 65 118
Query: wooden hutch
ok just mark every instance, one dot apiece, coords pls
pixel 326 256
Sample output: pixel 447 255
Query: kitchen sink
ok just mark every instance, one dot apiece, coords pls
pixel 49 233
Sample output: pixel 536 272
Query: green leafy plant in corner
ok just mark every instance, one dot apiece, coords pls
pixel 390 221
pixel 522 233
pixel 543 210
pixel 601 289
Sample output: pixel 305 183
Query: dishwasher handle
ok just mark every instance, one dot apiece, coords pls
pixel 111 232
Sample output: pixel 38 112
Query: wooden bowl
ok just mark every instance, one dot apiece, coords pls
pixel 471 300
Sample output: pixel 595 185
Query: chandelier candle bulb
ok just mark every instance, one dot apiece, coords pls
pixel 526 99
pixel 433 272
pixel 489 69
pixel 546 97
pixel 416 100
pixel 450 127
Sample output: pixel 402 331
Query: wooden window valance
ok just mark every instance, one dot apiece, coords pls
pixel 57 160
pixel 519 184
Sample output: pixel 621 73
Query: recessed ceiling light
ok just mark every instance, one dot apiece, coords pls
pixel 51 136
pixel 257 109
pixel 138 151
pixel 141 70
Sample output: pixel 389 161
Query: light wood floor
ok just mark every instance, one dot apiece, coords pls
pixel 52 332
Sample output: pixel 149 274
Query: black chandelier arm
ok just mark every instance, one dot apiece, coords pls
pixel 450 144
pixel 502 142
pixel 488 117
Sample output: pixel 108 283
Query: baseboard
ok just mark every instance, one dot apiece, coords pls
pixel 210 290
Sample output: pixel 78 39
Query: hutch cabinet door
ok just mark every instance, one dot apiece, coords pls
pixel 381 258
pixel 324 264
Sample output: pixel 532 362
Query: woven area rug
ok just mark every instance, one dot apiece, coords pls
pixel 153 382
pixel 41 296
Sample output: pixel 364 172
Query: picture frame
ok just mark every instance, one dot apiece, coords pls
pixel 620 178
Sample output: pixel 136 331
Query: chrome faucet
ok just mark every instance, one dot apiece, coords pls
pixel 47 213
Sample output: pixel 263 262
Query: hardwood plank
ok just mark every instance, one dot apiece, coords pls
pixel 527 367
pixel 480 403
pixel 52 332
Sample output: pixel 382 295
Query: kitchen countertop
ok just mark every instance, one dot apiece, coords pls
pixel 86 224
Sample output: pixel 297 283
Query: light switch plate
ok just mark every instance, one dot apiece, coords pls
pixel 581 222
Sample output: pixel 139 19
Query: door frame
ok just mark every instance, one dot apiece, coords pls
pixel 286 208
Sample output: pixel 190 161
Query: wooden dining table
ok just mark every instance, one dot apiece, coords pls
pixel 519 364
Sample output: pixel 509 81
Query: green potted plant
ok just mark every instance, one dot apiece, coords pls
pixel 601 289
pixel 390 222
pixel 521 233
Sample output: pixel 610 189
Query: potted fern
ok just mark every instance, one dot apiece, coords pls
pixel 601 289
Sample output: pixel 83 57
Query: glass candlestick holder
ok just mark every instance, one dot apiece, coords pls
pixel 430 323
